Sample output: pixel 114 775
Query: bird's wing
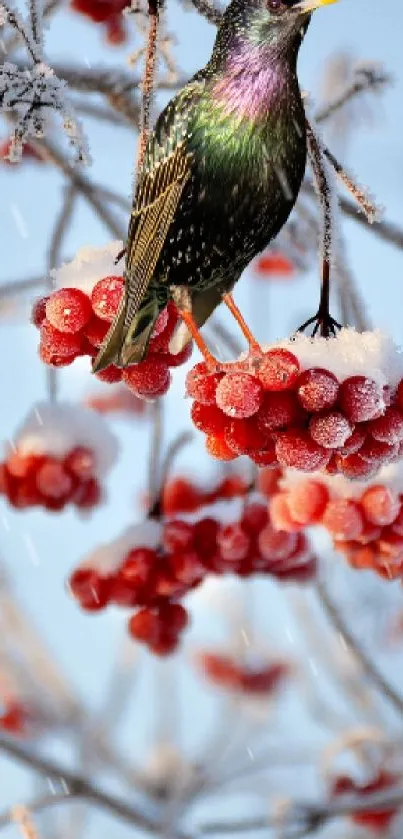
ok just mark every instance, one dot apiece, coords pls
pixel 157 199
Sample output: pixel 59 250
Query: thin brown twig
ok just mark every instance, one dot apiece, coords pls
pixel 362 198
pixel 362 657
pixel 148 83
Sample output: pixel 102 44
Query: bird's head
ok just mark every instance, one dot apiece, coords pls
pixel 276 26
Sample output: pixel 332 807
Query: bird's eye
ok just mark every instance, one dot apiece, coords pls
pixel 275 6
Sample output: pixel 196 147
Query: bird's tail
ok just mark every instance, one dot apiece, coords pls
pixel 126 345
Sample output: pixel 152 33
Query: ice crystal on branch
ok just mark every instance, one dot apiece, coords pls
pixel 30 94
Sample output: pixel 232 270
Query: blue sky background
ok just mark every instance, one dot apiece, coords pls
pixel 85 646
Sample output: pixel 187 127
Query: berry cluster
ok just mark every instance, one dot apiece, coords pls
pixel 58 458
pixel 278 409
pixel 154 566
pixel 227 673
pixel 377 821
pixel 274 264
pixel 73 323
pixel 367 528
pixel 108 12
pixel 180 495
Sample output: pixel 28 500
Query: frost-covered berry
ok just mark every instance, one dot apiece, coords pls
pixel 297 449
pixel 279 410
pixel 233 542
pixel 95 330
pixel 278 369
pixel 330 430
pixel 59 343
pixel 38 312
pixel 353 443
pixel 208 418
pixel 355 467
pixel 68 310
pixel 239 395
pixel 380 505
pixel 201 384
pixel 317 389
pixel 218 448
pixel 52 479
pixel 376 452
pixel 307 501
pixel 149 379
pixel 106 296
pixel 343 518
pixel 389 428
pixel 361 399
pixel 110 375
pixel 244 436
pixel 276 545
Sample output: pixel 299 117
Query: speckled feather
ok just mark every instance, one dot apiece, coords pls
pixel 241 124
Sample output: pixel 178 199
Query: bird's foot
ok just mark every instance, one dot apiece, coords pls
pixel 237 314
pixel 323 323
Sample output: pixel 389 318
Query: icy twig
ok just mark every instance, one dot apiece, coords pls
pixel 148 83
pixel 13 18
pixel 367 78
pixel 359 194
pixel 205 8
pixel 366 663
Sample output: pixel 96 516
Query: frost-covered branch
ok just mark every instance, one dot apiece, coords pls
pixel 367 78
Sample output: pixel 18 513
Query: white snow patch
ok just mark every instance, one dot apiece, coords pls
pixel 349 353
pixel 89 266
pixel 108 557
pixel 56 429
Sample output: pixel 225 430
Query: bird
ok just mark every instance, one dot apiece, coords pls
pixel 220 176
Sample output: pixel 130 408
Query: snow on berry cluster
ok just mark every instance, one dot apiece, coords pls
pixel 364 519
pixel 107 12
pixel 228 673
pixel 59 456
pixel 334 405
pixel 152 566
pixel 75 318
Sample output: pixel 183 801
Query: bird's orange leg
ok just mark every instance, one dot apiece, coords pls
pixel 188 319
pixel 233 308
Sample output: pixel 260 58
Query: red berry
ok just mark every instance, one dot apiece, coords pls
pixel 205 538
pixel 95 331
pixel 177 536
pixel 68 310
pixel 307 501
pixel 180 496
pixel 53 360
pixel 355 467
pixel 343 519
pixel 53 481
pixel 389 428
pixel 106 296
pixel 239 395
pixel 110 374
pixel 150 378
pixel 279 410
pixel 280 514
pixel 187 568
pixel 297 449
pixel 330 430
pixel 278 369
pixel 399 395
pixel 161 323
pixel 267 481
pixel 218 448
pixel 254 517
pixel 317 389
pixel 244 436
pixel 353 443
pixel 233 542
pixel 20 466
pixel 376 452
pixel 138 566
pixel 80 462
pixel 276 545
pixel 201 384
pixel 380 505
pixel 87 495
pixel 90 589
pixel 61 344
pixel 208 418
pixel 397 525
pixel 143 626
pixel 38 313
pixel 361 399
pixel 267 457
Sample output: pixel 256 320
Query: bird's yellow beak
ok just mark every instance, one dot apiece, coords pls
pixel 311 5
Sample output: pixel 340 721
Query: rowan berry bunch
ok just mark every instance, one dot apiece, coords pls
pixel 74 323
pixel 229 674
pixel 280 407
pixel 153 566
pixel 364 520
pixel 60 456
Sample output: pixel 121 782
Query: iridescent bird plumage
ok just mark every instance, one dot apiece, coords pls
pixel 221 173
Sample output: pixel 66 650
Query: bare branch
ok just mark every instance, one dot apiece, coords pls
pixel 367 79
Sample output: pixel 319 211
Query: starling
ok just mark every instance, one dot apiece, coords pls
pixel 221 174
